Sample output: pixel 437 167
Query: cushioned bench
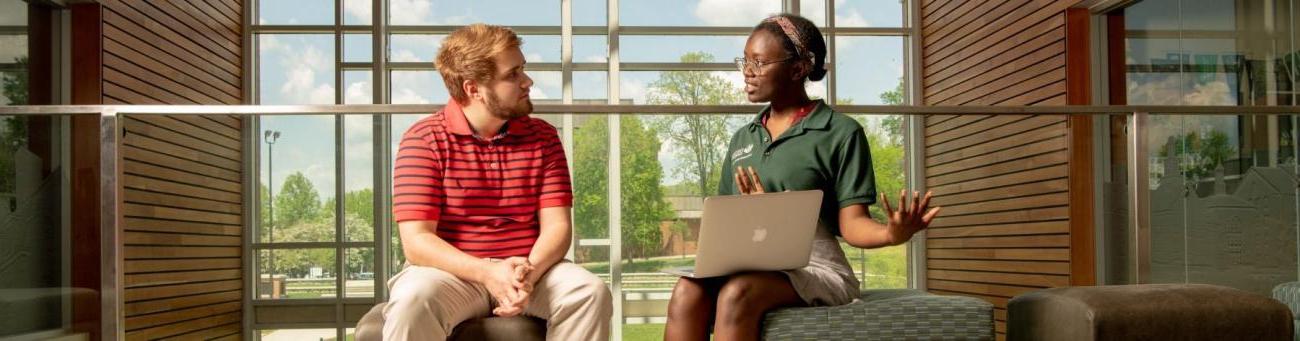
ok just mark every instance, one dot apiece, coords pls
pixel 878 315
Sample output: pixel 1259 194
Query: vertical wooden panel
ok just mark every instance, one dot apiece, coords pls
pixel 182 227
pixel 1083 267
pixel 1008 234
pixel 84 183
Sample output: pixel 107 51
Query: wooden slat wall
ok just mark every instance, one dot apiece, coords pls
pixel 182 181
pixel 1004 181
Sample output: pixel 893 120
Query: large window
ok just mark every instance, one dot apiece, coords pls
pixel 318 249
pixel 1222 187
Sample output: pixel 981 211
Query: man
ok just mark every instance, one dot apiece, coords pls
pixel 481 195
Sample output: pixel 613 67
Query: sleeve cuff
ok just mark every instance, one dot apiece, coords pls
pixel 866 200
pixel 401 216
pixel 566 201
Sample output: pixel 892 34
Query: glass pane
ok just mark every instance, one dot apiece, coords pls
pixel 497 12
pixel 357 12
pixel 541 49
pixel 296 273
pixel 547 87
pixel 685 49
pixel 297 178
pixel 695 12
pixel 13 67
pixel 358 87
pixel 868 70
pixel 360 265
pixel 590 49
pixel 814 10
pixel 400 124
pixel 590 87
pixel 296 334
pixel 666 87
pixel 1223 201
pixel 590 160
pixel 883 267
pixel 357 48
pixel 417 87
pixel 295 12
pixel 416 48
pixel 296 69
pixel 867 13
pixel 589 13
pixel 13 13
pixel 1208 53
pixel 423 48
pixel 34 244
pixel 359 200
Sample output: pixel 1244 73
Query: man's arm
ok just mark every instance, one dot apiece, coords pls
pixel 423 247
pixel 552 241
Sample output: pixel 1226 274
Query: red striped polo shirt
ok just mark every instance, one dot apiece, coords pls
pixel 484 192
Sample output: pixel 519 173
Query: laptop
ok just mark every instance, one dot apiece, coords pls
pixel 756 232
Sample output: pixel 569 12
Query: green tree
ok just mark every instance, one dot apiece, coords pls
pixel 701 139
pixel 643 204
pixel 13 130
pixel 13 85
pixel 297 201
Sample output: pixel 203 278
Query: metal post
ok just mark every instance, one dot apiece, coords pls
pixel 1139 197
pixel 111 277
pixel 615 177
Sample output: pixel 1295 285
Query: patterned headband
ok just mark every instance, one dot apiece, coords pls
pixel 792 33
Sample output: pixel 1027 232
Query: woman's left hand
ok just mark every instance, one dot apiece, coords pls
pixel 747 181
pixel 908 219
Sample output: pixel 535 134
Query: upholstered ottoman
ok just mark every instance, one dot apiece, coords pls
pixel 1147 312
pixel 894 314
pixel 519 328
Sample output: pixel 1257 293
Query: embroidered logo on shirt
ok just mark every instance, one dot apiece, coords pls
pixel 742 153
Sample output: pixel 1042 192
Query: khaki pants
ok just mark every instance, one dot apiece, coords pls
pixel 426 303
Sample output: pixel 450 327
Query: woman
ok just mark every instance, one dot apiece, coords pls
pixel 796 143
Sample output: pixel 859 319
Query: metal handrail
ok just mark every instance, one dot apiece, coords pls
pixel 370 109
pixel 110 117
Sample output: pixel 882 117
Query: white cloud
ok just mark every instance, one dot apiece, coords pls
pixel 410 12
pixel 420 12
pixel 636 90
pixel 853 19
pixel 359 92
pixel 408 96
pixel 534 58
pixel 543 81
pixel 406 56
pixel 1212 93
pixel 735 12
pixel 301 86
pixel 358 8
pixel 594 59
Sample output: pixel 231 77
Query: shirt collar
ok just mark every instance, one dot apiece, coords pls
pixel 819 118
pixel 456 123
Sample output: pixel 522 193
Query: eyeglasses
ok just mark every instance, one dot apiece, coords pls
pixel 756 66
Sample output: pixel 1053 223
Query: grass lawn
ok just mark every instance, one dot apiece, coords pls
pixel 643 332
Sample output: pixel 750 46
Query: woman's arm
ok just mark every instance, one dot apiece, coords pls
pixel 911 217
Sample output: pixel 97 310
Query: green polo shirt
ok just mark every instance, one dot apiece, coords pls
pixel 826 150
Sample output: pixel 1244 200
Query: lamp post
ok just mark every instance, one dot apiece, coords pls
pixel 270 136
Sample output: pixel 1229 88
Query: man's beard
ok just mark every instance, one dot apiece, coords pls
pixel 521 108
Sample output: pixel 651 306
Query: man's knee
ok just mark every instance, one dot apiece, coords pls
pixel 596 292
pixel 421 299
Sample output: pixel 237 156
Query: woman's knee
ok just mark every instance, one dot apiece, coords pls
pixel 689 297
pixel 741 298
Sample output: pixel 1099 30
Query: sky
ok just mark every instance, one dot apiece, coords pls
pixel 298 68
